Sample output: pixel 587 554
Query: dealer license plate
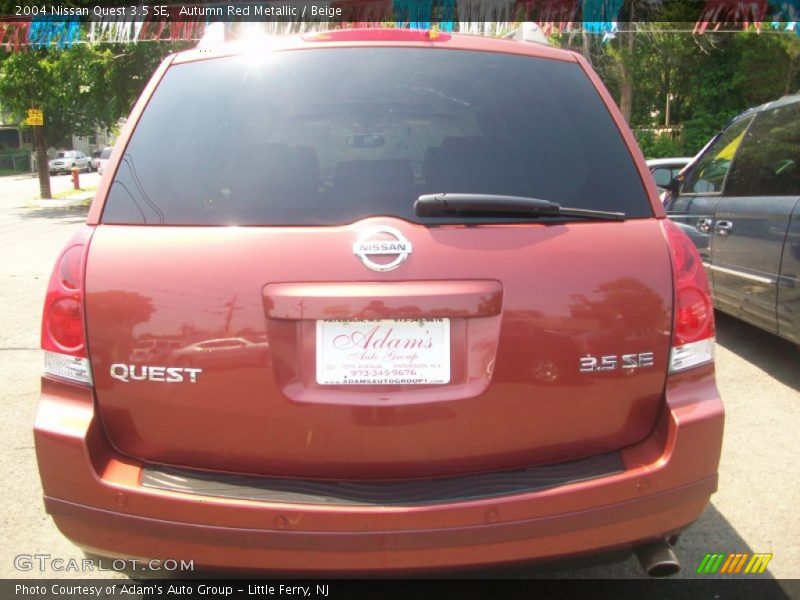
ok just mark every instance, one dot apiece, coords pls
pixel 384 352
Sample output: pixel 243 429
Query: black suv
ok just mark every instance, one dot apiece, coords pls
pixel 740 202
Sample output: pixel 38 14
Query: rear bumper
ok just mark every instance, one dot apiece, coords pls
pixel 96 499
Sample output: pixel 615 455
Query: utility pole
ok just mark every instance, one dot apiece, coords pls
pixel 36 120
pixel 666 117
pixel 231 306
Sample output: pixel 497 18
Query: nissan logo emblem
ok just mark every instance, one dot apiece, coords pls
pixel 385 242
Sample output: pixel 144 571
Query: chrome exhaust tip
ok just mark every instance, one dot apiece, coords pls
pixel 658 559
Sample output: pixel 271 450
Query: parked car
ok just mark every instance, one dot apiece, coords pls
pixel 65 160
pixel 390 418
pixel 739 201
pixel 153 350
pixel 95 155
pixel 99 163
pixel 664 171
pixel 221 353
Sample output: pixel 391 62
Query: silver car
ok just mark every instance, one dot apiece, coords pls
pixel 66 159
pixel 664 171
pixel 99 163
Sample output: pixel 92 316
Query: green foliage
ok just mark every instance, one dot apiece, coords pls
pixel 700 128
pixel 659 146
pixel 77 88
pixel 706 79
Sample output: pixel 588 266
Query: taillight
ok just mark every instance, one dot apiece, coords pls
pixel 63 333
pixel 693 324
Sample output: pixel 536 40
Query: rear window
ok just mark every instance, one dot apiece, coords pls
pixel 331 136
pixel 105 153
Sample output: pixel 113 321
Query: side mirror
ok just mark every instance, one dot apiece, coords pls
pixel 674 185
pixel 671 191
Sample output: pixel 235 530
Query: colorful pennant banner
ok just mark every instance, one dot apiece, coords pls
pixel 488 17
pixel 719 12
pixel 600 17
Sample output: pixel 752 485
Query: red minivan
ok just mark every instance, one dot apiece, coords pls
pixel 408 300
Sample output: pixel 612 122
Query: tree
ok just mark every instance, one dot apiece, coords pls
pixel 704 79
pixel 78 88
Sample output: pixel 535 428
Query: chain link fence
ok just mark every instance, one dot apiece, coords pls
pixel 17 161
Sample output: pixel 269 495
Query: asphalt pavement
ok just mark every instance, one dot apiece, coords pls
pixel 755 509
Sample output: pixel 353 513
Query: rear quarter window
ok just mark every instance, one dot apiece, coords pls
pixel 332 136
pixel 768 162
pixel 707 176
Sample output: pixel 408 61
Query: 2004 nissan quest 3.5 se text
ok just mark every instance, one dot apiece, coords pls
pixel 377 300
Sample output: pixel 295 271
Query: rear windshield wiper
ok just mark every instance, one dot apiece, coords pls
pixel 492 205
